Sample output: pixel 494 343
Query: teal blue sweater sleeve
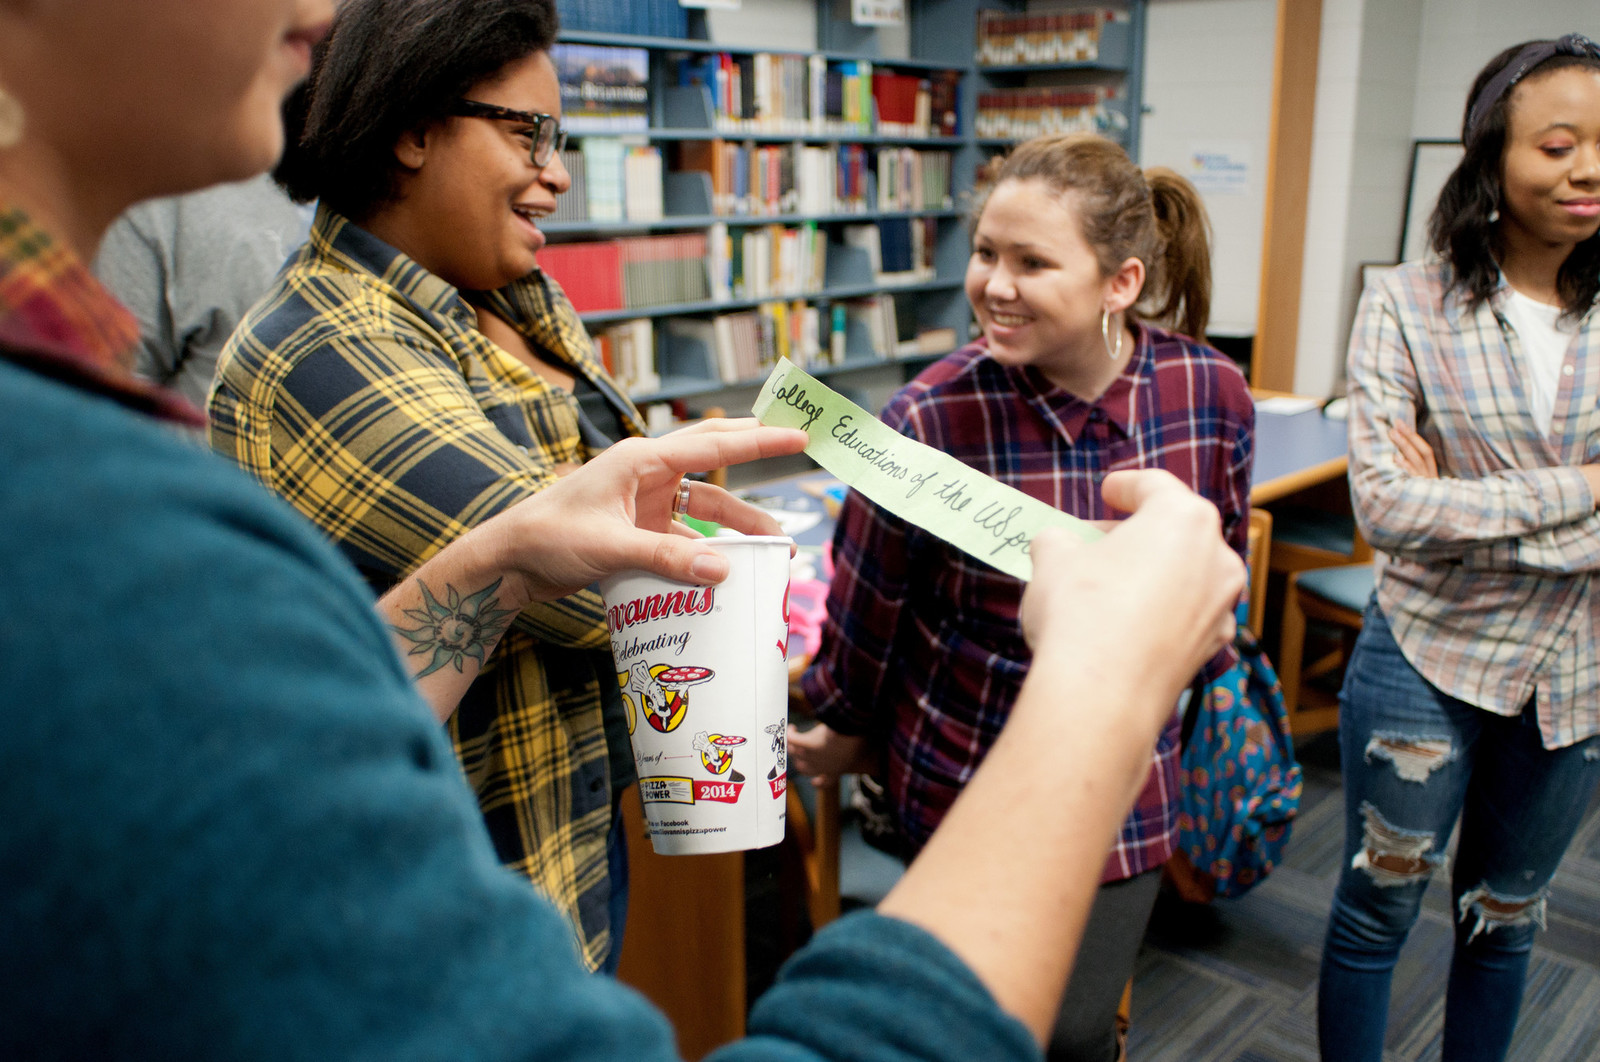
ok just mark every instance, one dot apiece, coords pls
pixel 232 830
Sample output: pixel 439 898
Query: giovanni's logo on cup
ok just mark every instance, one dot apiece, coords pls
pixel 695 602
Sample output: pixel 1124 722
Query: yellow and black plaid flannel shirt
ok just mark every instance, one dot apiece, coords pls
pixel 360 390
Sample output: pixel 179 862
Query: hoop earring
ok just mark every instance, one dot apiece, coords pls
pixel 1105 334
pixel 11 120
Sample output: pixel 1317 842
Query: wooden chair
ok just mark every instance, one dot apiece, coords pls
pixel 684 946
pixel 1305 537
pixel 815 832
pixel 1333 595
pixel 1258 551
pixel 814 824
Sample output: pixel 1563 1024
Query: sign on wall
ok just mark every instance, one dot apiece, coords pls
pixel 878 12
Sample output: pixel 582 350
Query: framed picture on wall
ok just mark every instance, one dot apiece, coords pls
pixel 1431 163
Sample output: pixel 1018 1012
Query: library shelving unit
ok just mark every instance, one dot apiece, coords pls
pixel 942 37
pixel 1114 60
pixel 928 301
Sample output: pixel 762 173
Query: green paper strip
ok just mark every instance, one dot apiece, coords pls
pixel 973 512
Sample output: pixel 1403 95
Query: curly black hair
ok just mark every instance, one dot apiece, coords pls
pixel 389 67
pixel 1460 229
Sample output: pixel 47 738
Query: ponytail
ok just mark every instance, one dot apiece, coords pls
pixel 1156 217
pixel 1177 293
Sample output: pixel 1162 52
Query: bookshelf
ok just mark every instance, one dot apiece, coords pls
pixel 1049 70
pixel 756 186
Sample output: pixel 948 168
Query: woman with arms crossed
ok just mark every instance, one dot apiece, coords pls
pixel 1473 693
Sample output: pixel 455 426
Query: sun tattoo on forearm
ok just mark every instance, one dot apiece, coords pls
pixel 456 629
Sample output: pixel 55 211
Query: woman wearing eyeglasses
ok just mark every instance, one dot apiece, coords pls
pixel 412 374
pixel 1473 694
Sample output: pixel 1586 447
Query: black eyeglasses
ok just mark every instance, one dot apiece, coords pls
pixel 548 136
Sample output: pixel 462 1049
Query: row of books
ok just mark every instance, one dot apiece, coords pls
pixel 914 180
pixel 603 88
pixel 771 260
pixel 633 273
pixel 751 180
pixel 1064 36
pixel 628 351
pixel 1017 114
pixel 743 346
pixel 809 94
pixel 643 18
pixel 778 260
pixel 899 250
pixel 716 265
pixel 611 181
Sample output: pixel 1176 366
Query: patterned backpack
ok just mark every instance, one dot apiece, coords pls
pixel 1239 782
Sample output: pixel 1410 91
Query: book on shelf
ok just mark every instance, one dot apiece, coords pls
pixel 927 342
pixel 778 260
pixel 590 273
pixel 631 273
pixel 750 180
pixel 750 342
pixel 605 193
pixel 641 183
pixel 1016 114
pixel 626 182
pixel 944 99
pixel 903 102
pixel 604 89
pixel 627 349
pixel 876 316
pixel 898 250
pixel 573 204
pixel 770 92
pixel 1065 35
pixel 909 179
pixel 642 18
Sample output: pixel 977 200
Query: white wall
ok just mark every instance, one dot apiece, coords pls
pixel 1390 71
pixel 1361 152
pixel 1221 100
pixel 790 24
pixel 759 23
pixel 1459 36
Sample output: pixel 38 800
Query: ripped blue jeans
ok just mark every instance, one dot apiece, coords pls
pixel 1414 760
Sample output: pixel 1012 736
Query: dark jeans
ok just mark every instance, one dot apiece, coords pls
pixel 1415 760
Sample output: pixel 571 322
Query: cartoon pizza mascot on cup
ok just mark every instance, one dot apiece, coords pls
pixel 716 753
pixel 662 692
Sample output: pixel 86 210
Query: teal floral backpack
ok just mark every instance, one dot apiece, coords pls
pixel 1239 782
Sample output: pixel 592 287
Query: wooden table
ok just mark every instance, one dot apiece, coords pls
pixel 1294 452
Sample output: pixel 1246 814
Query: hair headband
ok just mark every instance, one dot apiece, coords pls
pixel 1529 57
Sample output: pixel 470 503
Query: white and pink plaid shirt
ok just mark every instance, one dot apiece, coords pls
pixel 1486 574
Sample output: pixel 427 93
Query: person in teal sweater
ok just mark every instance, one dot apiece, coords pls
pixel 232 827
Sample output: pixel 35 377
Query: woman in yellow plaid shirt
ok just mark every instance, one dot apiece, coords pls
pixel 411 374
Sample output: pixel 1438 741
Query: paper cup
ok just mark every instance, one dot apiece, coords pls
pixel 705 683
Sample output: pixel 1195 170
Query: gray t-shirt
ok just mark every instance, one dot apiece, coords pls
pixel 190 266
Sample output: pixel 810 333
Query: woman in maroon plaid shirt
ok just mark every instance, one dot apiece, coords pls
pixel 1074 253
